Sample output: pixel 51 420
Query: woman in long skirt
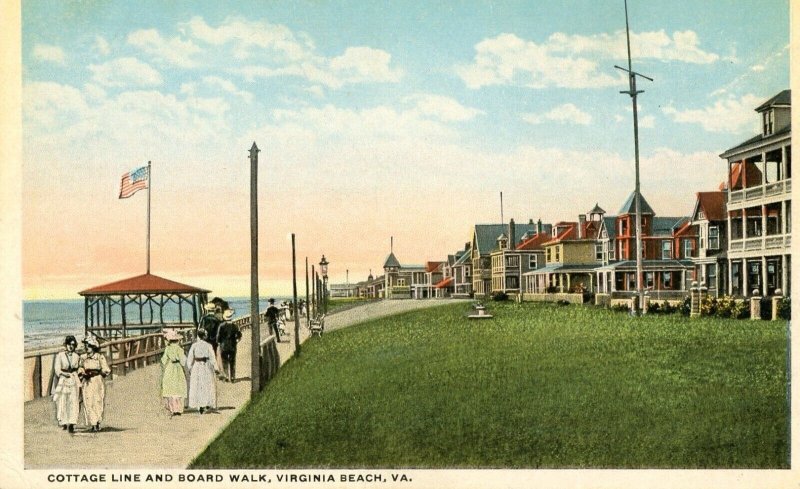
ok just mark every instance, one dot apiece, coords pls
pixel 173 380
pixel 202 365
pixel 66 385
pixel 93 369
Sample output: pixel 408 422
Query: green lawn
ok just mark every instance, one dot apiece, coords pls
pixel 537 386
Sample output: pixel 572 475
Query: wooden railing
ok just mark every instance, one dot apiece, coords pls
pixel 123 355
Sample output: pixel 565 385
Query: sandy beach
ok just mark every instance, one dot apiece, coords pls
pixel 138 432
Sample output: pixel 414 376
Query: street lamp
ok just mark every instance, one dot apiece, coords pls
pixel 323 269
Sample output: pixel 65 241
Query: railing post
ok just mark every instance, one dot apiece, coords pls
pixel 755 306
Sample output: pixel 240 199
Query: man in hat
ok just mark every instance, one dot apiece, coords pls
pixel 66 385
pixel 272 319
pixel 228 336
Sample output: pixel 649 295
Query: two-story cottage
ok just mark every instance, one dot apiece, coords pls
pixel 759 204
pixel 402 281
pixel 668 244
pixel 711 262
pixel 462 273
pixel 484 241
pixel 510 260
pixel 570 260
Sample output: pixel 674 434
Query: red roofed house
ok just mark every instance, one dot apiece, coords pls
pixel 515 256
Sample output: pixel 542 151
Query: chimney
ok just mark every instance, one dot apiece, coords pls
pixel 581 224
pixel 539 227
pixel 512 235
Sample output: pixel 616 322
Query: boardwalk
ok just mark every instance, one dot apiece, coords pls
pixel 138 431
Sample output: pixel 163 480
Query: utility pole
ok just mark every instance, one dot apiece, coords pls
pixel 637 194
pixel 295 312
pixel 255 318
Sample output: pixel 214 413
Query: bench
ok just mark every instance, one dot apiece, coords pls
pixel 317 326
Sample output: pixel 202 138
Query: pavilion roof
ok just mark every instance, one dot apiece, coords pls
pixel 142 284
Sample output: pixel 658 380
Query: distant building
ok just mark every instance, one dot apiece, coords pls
pixel 485 239
pixel 759 204
pixel 709 217
pixel 515 256
pixel 343 290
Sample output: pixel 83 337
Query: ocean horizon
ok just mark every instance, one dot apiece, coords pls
pixel 47 321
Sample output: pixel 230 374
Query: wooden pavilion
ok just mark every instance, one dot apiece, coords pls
pixel 141 305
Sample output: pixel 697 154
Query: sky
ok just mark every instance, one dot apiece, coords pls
pixel 374 120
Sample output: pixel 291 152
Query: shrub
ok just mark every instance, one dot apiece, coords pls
pixel 740 309
pixel 785 308
pixel 708 306
pixel 562 302
pixel 668 308
pixel 620 307
pixel 724 306
pixel 654 308
pixel 499 296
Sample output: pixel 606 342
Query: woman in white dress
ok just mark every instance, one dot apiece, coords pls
pixel 92 371
pixel 202 365
pixel 66 385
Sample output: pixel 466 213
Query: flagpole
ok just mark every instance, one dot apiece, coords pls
pixel 149 181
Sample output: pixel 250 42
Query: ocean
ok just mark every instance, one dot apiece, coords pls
pixel 46 323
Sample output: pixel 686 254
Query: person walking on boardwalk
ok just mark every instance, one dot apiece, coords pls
pixel 93 369
pixel 66 385
pixel 210 323
pixel 228 336
pixel 202 366
pixel 272 319
pixel 173 378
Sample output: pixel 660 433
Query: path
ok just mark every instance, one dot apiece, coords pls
pixel 139 433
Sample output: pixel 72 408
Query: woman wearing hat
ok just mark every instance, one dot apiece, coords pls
pixel 66 385
pixel 93 369
pixel 173 379
pixel 202 365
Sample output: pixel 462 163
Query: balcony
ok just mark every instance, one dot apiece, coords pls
pixel 751 194
pixel 776 243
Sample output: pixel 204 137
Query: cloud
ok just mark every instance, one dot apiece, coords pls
pixel 249 38
pixel 45 52
pixel 758 68
pixel 273 50
pixel 443 108
pixel 102 46
pixel 571 61
pixel 227 86
pixel 567 113
pixel 725 115
pixel 172 51
pixel 123 72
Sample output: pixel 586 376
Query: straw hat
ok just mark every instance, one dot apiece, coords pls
pixel 209 306
pixel 91 340
pixel 228 314
pixel 172 335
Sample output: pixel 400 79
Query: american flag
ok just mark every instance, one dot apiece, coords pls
pixel 133 181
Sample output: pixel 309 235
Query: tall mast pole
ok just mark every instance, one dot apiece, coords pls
pixel 636 193
pixel 255 318
pixel 149 184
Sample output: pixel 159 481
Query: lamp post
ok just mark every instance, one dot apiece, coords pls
pixel 323 269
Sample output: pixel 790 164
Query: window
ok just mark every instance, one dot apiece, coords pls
pixel 533 262
pixel 713 238
pixel 666 249
pixel 688 248
pixel 467 271
pixel 549 255
pixel 701 237
pixel 512 282
pixel 512 261
pixel 623 227
pixel 558 254
pixel 711 276
pixel 768 120
pixel 666 280
pixel 401 282
pixel 648 280
pixel 598 251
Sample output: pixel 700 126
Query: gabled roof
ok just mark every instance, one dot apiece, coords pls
pixel 782 99
pixel 535 242
pixel 629 207
pixel 391 261
pixel 465 258
pixel 486 235
pixel 712 204
pixel 140 284
pixel 433 266
pixel 610 225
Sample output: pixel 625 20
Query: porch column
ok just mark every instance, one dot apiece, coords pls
pixel 784 276
pixel 567 282
pixel 763 276
pixel 763 168
pixel 745 290
pixel 763 226
pixel 783 163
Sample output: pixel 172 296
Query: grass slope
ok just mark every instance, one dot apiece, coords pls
pixel 538 386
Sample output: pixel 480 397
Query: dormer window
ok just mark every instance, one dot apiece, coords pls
pixel 768 122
